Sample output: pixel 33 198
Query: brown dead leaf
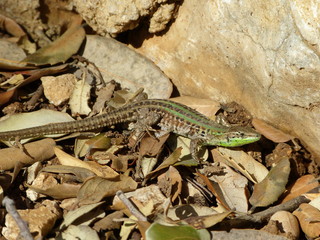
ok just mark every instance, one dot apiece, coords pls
pixel 242 162
pixel 6 96
pixel 170 183
pixel 11 27
pixel 60 50
pixel 309 219
pixel 214 189
pixel 108 223
pixel 172 159
pixel 97 188
pixel 203 222
pixel 270 132
pixel 82 214
pixel 48 185
pixel 150 146
pixel 233 187
pixel 37 152
pixel 301 186
pixel 68 160
pixel 269 189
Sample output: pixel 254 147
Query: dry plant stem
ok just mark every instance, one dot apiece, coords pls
pixel 263 216
pixel 133 209
pixel 34 99
pixel 11 209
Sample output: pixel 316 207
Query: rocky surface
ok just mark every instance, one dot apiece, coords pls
pixel 264 56
pixel 113 17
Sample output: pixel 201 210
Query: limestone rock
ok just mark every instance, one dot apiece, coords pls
pixel 40 220
pixel 114 16
pixel 262 55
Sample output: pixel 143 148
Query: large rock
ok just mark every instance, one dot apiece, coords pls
pixel 263 55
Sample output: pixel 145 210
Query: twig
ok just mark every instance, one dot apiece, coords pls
pixel 133 209
pixel 22 225
pixel 263 216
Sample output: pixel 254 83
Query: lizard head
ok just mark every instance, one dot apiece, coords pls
pixel 233 137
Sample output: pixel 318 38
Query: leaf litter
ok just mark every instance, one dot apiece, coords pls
pixel 178 196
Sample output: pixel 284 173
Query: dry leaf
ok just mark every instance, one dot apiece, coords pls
pixel 301 186
pixel 202 222
pixel 270 132
pixel 309 219
pixel 80 214
pixel 48 185
pixel 173 158
pixel 233 188
pixel 79 232
pixel 80 98
pixel 242 162
pixel 60 50
pixel 97 188
pixel 11 27
pixel 269 189
pixel 6 96
pixel 151 146
pixel 108 223
pixel 37 152
pixel 68 160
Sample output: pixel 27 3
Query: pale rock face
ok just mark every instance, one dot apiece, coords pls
pixel 115 16
pixel 263 55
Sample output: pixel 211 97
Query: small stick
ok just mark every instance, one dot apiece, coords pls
pixel 133 209
pixel 22 225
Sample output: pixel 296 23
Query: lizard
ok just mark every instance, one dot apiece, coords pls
pixel 167 115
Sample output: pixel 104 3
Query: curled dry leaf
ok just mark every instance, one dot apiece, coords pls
pixel 269 189
pixel 79 100
pixel 309 219
pixel 97 188
pixel 301 186
pixel 11 27
pixel 37 152
pixel 270 132
pixel 48 185
pixel 173 158
pixel 150 146
pixel 68 160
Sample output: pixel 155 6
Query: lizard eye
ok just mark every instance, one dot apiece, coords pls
pixel 202 133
